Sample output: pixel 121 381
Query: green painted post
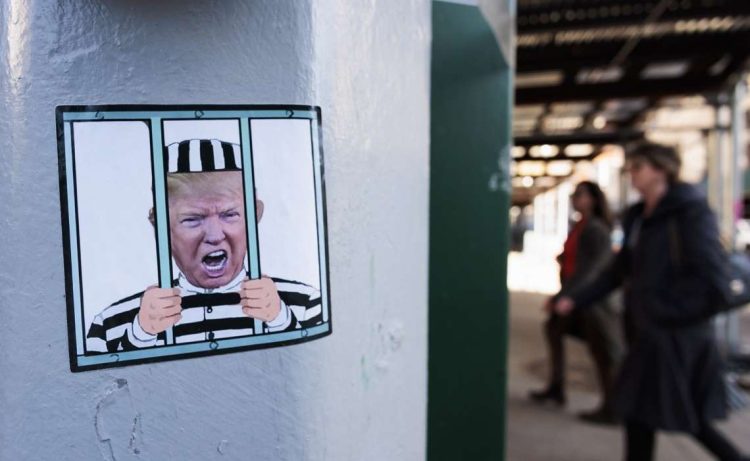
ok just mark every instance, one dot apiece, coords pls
pixel 469 199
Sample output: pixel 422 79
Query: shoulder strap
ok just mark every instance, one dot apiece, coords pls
pixel 675 243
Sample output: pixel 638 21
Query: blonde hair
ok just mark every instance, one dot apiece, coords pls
pixel 215 182
pixel 226 183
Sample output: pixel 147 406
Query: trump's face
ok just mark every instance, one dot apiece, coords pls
pixel 208 234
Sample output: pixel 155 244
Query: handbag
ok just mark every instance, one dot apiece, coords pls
pixel 736 290
pixel 732 284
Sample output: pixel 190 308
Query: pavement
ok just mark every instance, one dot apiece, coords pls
pixel 547 433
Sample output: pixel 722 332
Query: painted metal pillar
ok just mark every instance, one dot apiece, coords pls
pixel 737 171
pixel 472 97
pixel 719 188
pixel 725 148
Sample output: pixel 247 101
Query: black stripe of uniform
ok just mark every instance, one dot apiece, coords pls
pixel 128 298
pixel 293 282
pixel 298 299
pixel 229 163
pixel 122 318
pixel 205 326
pixel 207 155
pixel 124 341
pixel 234 323
pixel 211 299
pixel 317 320
pixel 97 331
pixel 183 157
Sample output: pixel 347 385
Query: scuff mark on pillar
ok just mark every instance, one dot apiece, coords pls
pixel 222 447
pixel 118 423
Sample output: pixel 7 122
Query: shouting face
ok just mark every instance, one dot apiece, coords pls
pixel 207 226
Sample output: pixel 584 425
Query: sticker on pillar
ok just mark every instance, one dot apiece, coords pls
pixel 191 230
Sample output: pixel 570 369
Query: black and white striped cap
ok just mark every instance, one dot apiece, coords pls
pixel 202 155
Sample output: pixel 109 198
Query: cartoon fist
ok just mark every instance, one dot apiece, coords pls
pixel 160 309
pixel 260 299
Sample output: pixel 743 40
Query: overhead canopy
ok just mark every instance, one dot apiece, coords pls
pixel 589 70
pixel 597 50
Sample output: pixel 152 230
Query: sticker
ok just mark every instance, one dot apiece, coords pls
pixel 191 230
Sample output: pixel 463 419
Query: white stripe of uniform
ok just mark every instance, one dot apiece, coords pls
pixel 172 156
pixel 191 315
pixel 119 308
pixel 226 312
pixel 219 334
pixel 237 155
pixel 194 338
pixel 303 314
pixel 195 155
pixel 219 162
pixel 135 340
pixel 96 345
pixel 298 288
pixel 118 331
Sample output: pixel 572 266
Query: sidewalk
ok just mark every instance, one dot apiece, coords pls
pixel 545 433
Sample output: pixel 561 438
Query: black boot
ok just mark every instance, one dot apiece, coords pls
pixel 602 415
pixel 554 394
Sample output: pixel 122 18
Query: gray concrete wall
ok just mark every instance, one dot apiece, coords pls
pixel 373 75
pixel 356 395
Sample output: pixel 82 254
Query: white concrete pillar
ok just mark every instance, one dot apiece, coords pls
pixel 359 394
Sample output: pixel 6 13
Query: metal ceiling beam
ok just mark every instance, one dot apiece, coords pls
pixel 637 116
pixel 621 89
pixel 600 54
pixel 553 16
pixel 589 137
pixel 558 157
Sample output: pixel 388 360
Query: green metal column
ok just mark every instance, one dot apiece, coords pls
pixel 469 198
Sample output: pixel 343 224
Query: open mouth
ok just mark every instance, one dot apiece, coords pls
pixel 215 262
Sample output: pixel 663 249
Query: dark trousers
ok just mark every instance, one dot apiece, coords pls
pixel 640 442
pixel 601 330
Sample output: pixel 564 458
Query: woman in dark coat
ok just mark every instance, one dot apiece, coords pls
pixel 671 378
pixel 586 253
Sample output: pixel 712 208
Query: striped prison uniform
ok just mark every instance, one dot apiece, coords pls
pixel 117 327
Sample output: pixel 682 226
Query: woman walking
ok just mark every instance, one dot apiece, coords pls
pixel 671 378
pixel 586 252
